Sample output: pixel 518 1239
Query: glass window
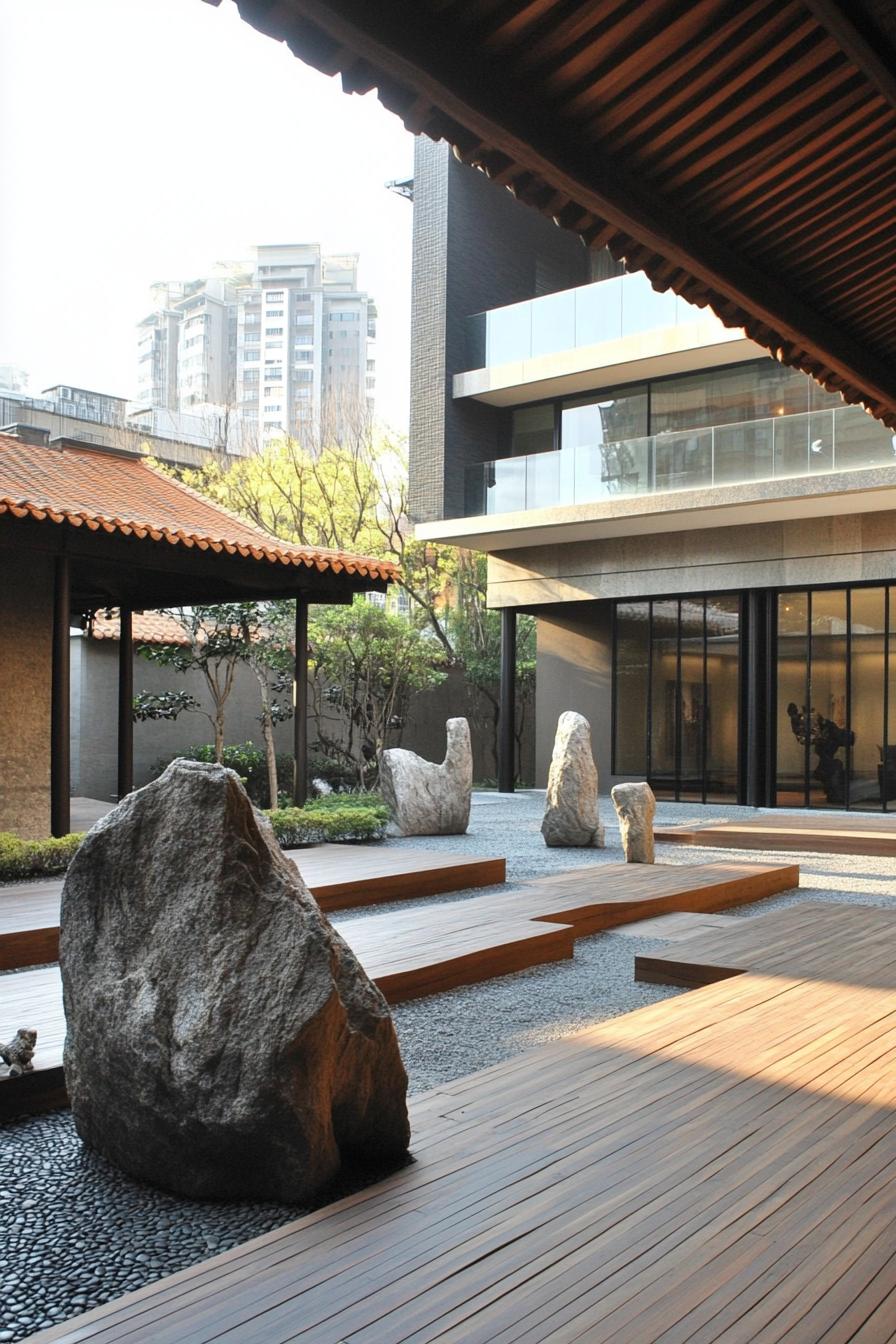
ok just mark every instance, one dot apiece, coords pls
pixel 792 697
pixel 611 417
pixel 752 391
pixel 664 697
pixel 533 430
pixel 631 688
pixel 677 695
pixel 868 682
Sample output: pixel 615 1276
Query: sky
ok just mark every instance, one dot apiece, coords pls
pixel 144 140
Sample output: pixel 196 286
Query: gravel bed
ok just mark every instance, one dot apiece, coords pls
pixel 74 1232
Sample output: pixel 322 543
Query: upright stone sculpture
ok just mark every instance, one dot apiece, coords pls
pixel 425 798
pixel 635 807
pixel 223 1041
pixel 571 812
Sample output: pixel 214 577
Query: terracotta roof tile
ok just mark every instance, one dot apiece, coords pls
pixel 149 627
pixel 101 490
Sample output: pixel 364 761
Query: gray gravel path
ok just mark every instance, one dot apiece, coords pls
pixel 74 1232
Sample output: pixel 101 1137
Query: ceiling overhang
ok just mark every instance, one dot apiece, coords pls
pixel 740 152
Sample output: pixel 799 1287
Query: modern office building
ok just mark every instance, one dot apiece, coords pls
pixel 706 537
pixel 284 343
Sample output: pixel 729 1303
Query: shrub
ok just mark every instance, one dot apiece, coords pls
pixel 35 858
pixel 333 822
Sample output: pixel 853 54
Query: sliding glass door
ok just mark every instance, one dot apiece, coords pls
pixel 836 696
pixel 676 716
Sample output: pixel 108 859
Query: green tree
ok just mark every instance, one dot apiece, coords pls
pixel 214 648
pixel 367 664
pixel 352 495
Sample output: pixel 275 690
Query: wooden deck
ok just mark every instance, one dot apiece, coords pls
pixel 339 876
pixel 720 1167
pixel 411 953
pixel 848 833
pixel 805 940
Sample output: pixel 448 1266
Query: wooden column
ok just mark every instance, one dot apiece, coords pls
pixel 60 706
pixel 507 703
pixel 125 702
pixel 300 712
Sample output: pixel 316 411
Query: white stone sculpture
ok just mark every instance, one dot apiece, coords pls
pixel 635 807
pixel 571 813
pixel 425 798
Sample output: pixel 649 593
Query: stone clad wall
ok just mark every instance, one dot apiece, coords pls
pixel 26 651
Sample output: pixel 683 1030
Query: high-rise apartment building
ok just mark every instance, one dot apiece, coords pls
pixel 285 342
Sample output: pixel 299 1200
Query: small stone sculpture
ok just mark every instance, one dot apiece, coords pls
pixel 570 815
pixel 223 1040
pixel 20 1051
pixel 425 798
pixel 635 807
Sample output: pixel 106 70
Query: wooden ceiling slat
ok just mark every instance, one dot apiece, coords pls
pixel 569 27
pixel 777 195
pixel 755 120
pixel 818 133
pixel 832 231
pixel 676 98
pixel 634 55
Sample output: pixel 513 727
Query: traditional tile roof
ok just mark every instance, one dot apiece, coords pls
pixel 122 494
pixel 148 627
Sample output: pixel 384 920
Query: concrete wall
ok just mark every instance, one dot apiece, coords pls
pixel 95 717
pixel 574 650
pixel 95 730
pixel 845 549
pixel 475 247
pixel 26 652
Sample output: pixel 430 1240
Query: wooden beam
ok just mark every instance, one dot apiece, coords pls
pixel 125 702
pixel 870 59
pixel 507 709
pixel 432 59
pixel 60 707
pixel 300 711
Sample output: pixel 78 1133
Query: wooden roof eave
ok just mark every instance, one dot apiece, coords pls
pixel 422 72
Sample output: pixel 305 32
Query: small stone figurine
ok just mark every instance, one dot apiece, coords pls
pixel 20 1051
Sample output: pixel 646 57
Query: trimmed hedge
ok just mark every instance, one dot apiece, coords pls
pixel 329 819
pixel 35 858
pixel 338 817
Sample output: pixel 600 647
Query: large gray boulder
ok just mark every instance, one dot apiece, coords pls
pixel 570 815
pixel 425 798
pixel 223 1040
pixel 635 807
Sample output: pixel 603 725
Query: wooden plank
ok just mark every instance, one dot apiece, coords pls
pixel 411 953
pixel 719 1167
pixel 845 834
pixel 339 877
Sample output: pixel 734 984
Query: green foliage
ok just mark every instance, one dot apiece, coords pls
pixel 246 759
pixel 163 705
pixel 35 858
pixel 368 664
pixel 341 818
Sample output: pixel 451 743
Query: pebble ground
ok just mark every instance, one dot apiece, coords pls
pixel 74 1232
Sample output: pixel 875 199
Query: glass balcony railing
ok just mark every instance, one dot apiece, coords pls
pixel 628 305
pixel 814 444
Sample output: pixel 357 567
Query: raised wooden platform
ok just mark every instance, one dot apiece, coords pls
pixel 340 876
pixel 804 940
pixel 411 953
pixel 848 833
pixel 719 1167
